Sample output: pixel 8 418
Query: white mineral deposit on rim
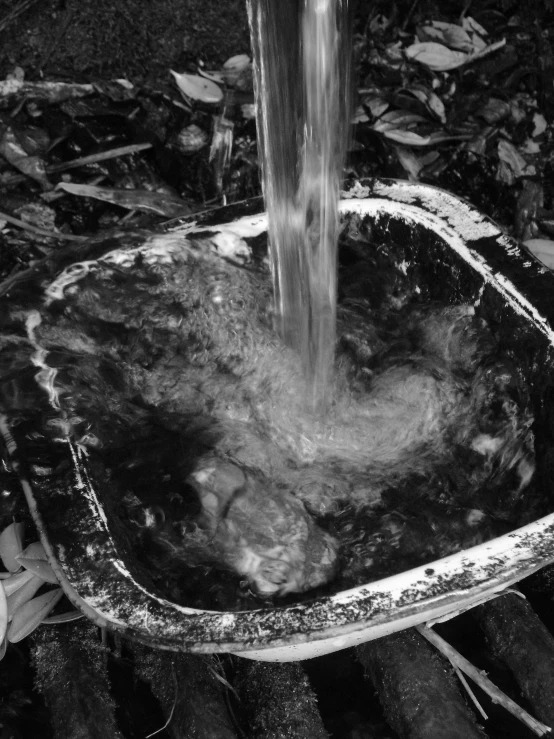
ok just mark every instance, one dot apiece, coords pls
pixel 247 226
pixel 455 236
pixel 462 216
pixel 459 214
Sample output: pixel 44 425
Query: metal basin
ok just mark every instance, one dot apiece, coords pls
pixel 467 259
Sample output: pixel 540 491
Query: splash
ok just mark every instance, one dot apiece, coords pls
pixel 302 74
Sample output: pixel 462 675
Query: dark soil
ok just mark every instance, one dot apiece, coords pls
pixel 136 39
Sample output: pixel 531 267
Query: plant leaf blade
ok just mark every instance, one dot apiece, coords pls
pixel 31 614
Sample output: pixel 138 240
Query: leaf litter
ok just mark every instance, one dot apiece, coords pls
pixel 427 109
pixel 446 101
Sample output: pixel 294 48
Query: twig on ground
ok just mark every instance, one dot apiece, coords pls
pixel 170 717
pixel 102 156
pixel 410 13
pixel 469 691
pixel 496 695
pixel 14 277
pixel 518 637
pixel 467 5
pixel 15 13
pixel 41 231
pixel 53 195
pixel 70 13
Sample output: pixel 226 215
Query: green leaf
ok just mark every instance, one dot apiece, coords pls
pixel 23 594
pixel 11 544
pixel 16 581
pixel 40 568
pixel 3 613
pixel 29 616
pixel 33 551
pixel 62 618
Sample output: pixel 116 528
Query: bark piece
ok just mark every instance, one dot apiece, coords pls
pixel 70 664
pixel 190 694
pixel 519 638
pixel 278 701
pixel 417 689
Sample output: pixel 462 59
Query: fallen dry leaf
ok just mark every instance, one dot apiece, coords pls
pixel 234 67
pixel 409 161
pixel 430 99
pixel 191 139
pixel 13 91
pixel 508 154
pixel 397 119
pixel 377 105
pixel 470 24
pixel 494 110
pixel 143 200
pixel 408 138
pixel 194 87
pixel 439 58
pixel 539 123
pixel 449 34
pixel 436 56
pixel 31 166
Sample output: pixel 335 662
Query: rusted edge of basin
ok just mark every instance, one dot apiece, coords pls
pixel 98 580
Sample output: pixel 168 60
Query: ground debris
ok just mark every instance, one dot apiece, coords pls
pixel 417 689
pixel 517 635
pixel 191 692
pixel 70 665
pixel 278 701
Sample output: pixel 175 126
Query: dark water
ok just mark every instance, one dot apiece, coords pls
pixel 169 372
pixel 302 64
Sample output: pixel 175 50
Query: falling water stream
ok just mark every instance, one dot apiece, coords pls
pixel 302 64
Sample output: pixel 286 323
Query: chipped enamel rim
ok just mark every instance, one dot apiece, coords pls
pixel 433 591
